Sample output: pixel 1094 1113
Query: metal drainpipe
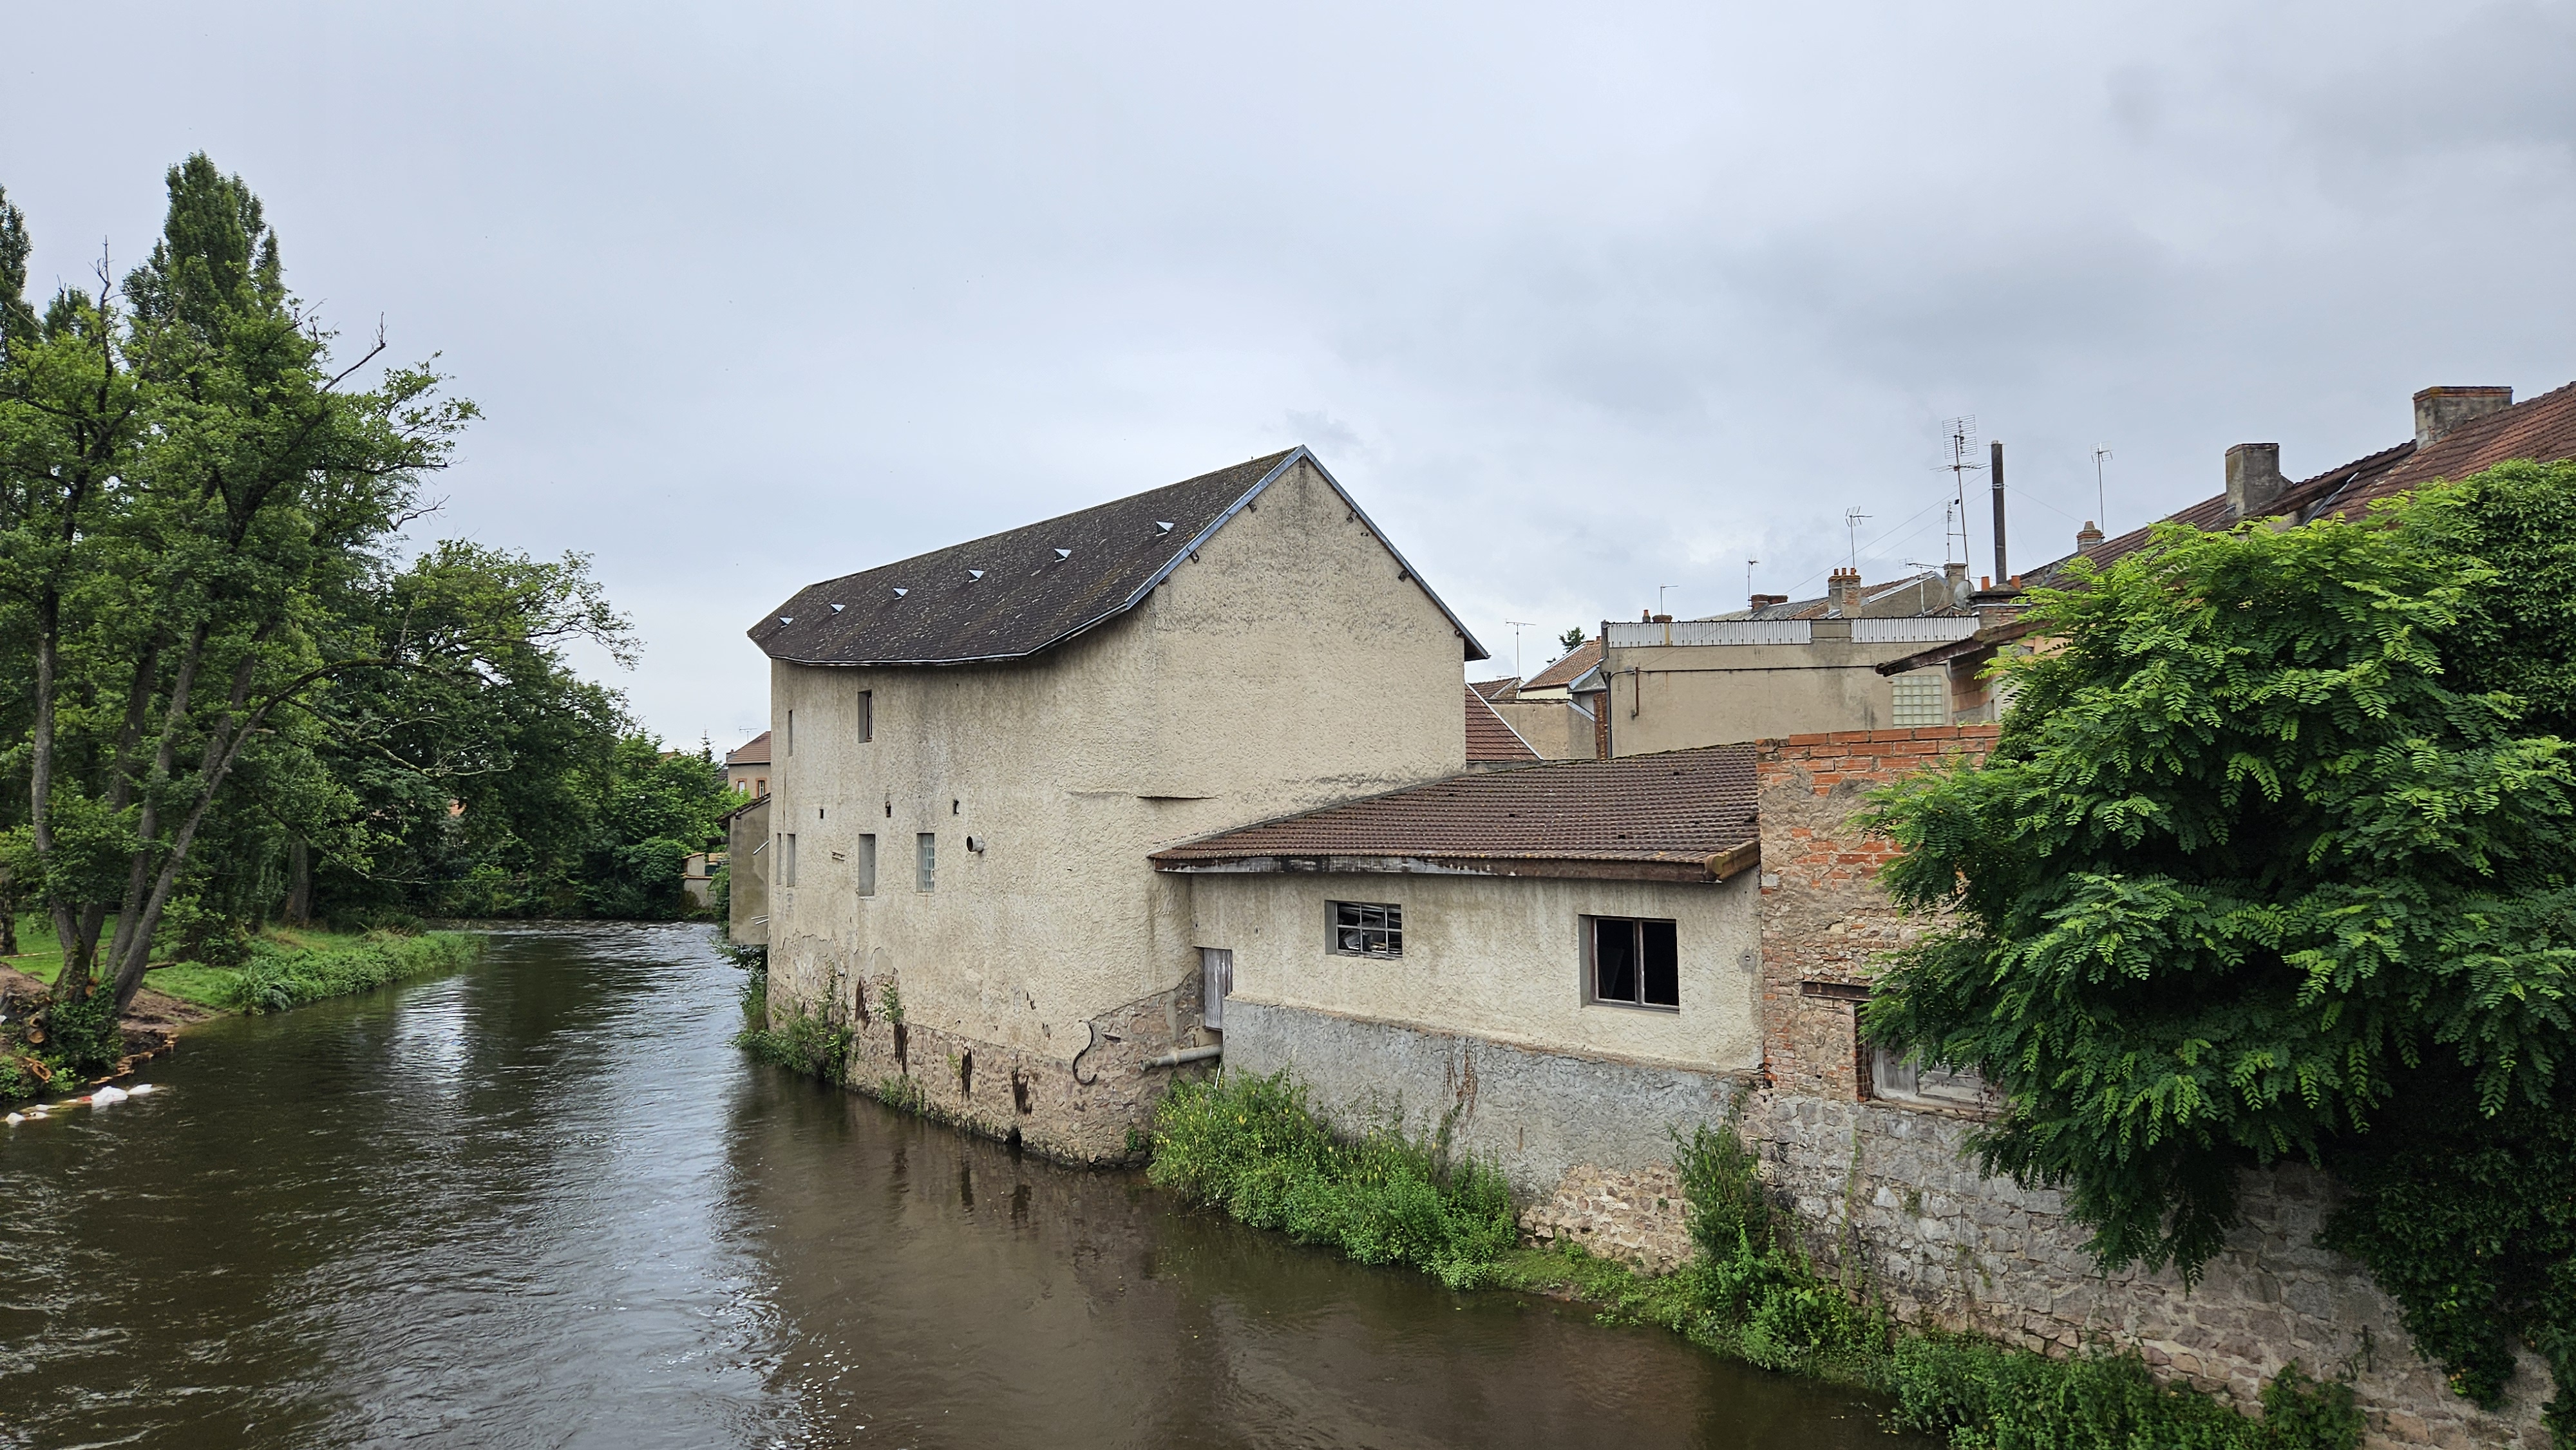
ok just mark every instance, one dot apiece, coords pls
pixel 1189 1055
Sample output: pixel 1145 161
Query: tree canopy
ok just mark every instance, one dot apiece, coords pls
pixel 232 670
pixel 2275 857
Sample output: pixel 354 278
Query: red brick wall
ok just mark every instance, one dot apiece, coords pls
pixel 1824 919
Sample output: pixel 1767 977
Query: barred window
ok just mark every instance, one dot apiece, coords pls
pixel 1366 929
pixel 1922 698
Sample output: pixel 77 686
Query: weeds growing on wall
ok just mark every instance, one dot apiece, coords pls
pixel 273 980
pixel 1250 1146
pixel 804 1042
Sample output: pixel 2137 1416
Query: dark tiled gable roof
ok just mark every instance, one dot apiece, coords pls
pixel 1505 688
pixel 754 751
pixel 1565 671
pixel 1680 815
pixel 1012 594
pixel 1490 738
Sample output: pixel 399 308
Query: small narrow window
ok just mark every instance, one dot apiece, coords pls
pixel 867 716
pixel 1631 963
pixel 787 860
pixel 925 862
pixel 867 865
pixel 1365 929
pixel 791 732
pixel 760 786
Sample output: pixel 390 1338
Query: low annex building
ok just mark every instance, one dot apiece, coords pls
pixel 1555 967
pixel 974 750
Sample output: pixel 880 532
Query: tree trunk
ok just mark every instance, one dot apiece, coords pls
pixel 8 914
pixel 299 883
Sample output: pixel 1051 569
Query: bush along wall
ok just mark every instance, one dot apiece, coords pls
pixel 1252 1147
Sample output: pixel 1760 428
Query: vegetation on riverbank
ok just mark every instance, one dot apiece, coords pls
pixel 45 1042
pixel 1251 1147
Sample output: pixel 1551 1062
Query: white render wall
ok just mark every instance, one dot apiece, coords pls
pixel 1288 666
pixel 1496 958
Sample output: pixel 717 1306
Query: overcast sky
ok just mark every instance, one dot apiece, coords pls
pixel 1579 301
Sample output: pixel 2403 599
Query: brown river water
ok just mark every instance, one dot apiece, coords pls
pixel 543 1203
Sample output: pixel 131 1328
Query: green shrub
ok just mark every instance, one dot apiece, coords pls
pixel 1980 1394
pixel 1250 1146
pixel 277 979
pixel 805 1043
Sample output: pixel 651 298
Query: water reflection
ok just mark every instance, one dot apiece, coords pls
pixel 542 1203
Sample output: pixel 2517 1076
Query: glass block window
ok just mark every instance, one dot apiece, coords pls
pixel 1922 698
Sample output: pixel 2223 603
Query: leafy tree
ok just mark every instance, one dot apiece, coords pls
pixel 1573 639
pixel 2271 859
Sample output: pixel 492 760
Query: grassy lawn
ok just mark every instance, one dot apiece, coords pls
pixel 41 957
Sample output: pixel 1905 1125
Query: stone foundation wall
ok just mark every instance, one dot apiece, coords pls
pixel 1093 1107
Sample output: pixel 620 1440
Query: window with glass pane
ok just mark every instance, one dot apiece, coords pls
pixel 1366 929
pixel 1633 963
pixel 925 862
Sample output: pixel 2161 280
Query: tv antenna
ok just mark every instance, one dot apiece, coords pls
pixel 2101 506
pixel 1659 597
pixel 1852 518
pixel 1748 577
pixel 1517 626
pixel 1959 435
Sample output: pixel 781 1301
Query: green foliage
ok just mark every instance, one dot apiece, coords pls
pixel 1725 1205
pixel 805 1042
pixel 1250 1146
pixel 2273 859
pixel 1573 639
pixel 1978 1394
pixel 275 980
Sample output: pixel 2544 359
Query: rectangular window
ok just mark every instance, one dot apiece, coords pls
pixel 1365 929
pixel 787 860
pixel 867 865
pixel 925 862
pixel 1898 1079
pixel 867 716
pixel 791 732
pixel 1632 963
pixel 1922 698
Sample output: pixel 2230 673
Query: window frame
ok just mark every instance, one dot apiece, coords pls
pixel 1389 928
pixel 925 861
pixel 1590 932
pixel 1933 682
pixel 867 716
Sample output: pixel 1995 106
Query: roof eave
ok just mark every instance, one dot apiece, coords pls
pixel 1680 868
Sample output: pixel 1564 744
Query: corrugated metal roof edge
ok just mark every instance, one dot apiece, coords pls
pixel 1474 650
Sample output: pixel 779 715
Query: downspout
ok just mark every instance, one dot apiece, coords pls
pixel 1186 1056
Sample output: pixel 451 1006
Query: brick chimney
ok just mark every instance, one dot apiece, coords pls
pixel 2087 538
pixel 2439 410
pixel 2253 479
pixel 1842 591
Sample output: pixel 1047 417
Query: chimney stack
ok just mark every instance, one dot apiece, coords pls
pixel 1765 601
pixel 2439 410
pixel 2087 538
pixel 2253 479
pixel 1995 473
pixel 1842 592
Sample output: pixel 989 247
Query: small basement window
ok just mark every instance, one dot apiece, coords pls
pixel 1899 1079
pixel 1365 929
pixel 1922 698
pixel 1631 963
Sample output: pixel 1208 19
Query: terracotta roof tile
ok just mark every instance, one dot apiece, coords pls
pixel 754 751
pixel 1490 738
pixel 1681 807
pixel 1575 661
pixel 2542 428
pixel 1503 689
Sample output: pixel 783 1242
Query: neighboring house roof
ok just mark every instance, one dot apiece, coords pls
pixel 754 751
pixel 1502 690
pixel 1925 595
pixel 2542 428
pixel 1562 673
pixel 1683 815
pixel 1012 594
pixel 1491 738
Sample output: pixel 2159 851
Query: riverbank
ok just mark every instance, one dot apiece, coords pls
pixel 1251 1148
pixel 43 1051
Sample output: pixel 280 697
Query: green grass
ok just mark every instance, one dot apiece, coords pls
pixel 287 966
pixel 1253 1148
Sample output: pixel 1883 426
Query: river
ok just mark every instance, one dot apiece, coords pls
pixel 542 1202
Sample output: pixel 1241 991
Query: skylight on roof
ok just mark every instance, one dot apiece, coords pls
pixel 1064 553
pixel 900 592
pixel 974 574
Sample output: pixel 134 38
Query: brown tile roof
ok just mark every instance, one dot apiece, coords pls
pixel 1682 815
pixel 2542 428
pixel 1564 672
pixel 1012 594
pixel 754 751
pixel 1503 689
pixel 1490 738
